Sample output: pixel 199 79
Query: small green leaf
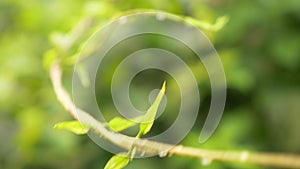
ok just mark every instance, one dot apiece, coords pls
pixel 60 40
pixel 73 126
pixel 219 24
pixel 118 124
pixel 148 118
pixel 49 57
pixel 117 162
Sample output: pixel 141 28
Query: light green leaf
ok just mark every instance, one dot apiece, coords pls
pixel 118 124
pixel 73 126
pixel 60 40
pixel 117 162
pixel 219 24
pixel 49 57
pixel 148 118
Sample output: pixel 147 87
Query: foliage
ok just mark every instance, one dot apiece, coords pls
pixel 258 47
pixel 118 124
pixel 117 162
pixel 73 126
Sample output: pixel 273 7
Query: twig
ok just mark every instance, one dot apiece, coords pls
pixel 155 148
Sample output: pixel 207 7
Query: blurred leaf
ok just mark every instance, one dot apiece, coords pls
pixel 285 51
pixel 30 132
pixel 238 76
pixel 73 126
pixel 65 41
pixel 148 118
pixel 49 57
pixel 118 124
pixel 219 24
pixel 117 162
pixel 60 40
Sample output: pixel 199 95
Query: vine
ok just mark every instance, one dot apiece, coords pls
pixel 134 145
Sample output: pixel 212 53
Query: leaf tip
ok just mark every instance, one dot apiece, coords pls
pixel 73 126
pixel 117 162
pixel 221 22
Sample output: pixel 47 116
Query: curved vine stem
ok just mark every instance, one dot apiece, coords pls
pixel 154 148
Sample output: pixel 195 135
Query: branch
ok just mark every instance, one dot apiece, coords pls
pixel 154 148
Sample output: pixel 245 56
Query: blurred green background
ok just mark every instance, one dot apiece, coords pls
pixel 259 47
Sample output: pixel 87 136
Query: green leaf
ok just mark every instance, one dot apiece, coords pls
pixel 219 24
pixel 117 162
pixel 73 126
pixel 49 57
pixel 148 118
pixel 118 124
pixel 60 40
